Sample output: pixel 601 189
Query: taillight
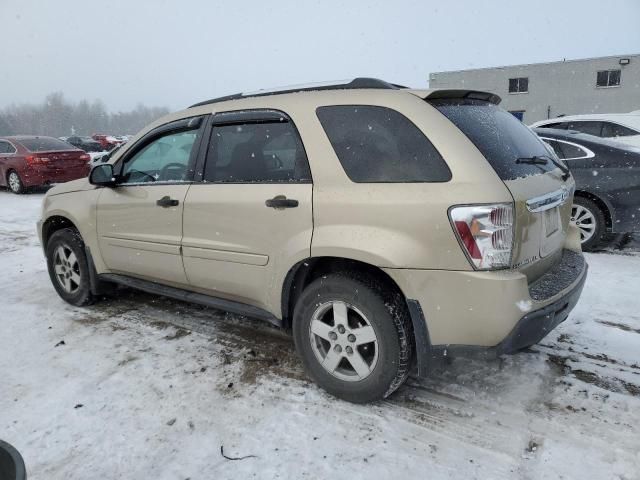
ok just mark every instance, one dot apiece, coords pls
pixel 36 160
pixel 85 157
pixel 486 233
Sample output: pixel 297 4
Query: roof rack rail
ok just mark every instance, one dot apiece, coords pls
pixel 360 82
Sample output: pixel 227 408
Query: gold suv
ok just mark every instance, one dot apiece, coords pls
pixel 384 226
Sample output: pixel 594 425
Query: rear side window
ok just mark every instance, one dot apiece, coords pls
pixel 590 128
pixel 499 136
pixel 269 152
pixel 45 144
pixel 380 145
pixel 614 130
pixel 6 147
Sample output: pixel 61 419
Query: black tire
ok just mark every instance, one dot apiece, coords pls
pixel 15 185
pixel 598 239
pixel 70 241
pixel 384 310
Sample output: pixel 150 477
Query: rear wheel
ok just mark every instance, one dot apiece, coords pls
pixel 590 220
pixel 68 267
pixel 15 182
pixel 354 337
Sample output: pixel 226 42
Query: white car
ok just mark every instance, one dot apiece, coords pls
pixel 622 127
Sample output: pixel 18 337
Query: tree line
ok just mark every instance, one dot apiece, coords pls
pixel 58 117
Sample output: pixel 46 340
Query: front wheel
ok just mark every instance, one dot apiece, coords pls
pixel 68 267
pixel 590 220
pixel 354 337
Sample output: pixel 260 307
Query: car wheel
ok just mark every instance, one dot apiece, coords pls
pixel 14 182
pixel 355 341
pixel 68 267
pixel 590 220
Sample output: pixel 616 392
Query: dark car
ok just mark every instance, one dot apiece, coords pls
pixel 29 161
pixel 607 175
pixel 87 144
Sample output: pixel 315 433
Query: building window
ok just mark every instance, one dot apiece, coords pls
pixel 608 78
pixel 519 85
pixel 519 114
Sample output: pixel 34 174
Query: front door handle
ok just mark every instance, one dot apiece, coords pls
pixel 167 201
pixel 280 201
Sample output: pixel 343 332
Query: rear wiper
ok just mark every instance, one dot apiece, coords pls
pixel 543 160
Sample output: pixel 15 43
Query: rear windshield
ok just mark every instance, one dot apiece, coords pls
pixel 45 144
pixel 499 136
pixel 379 145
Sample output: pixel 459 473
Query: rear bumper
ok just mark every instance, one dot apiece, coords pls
pixel 35 177
pixel 536 325
pixel 487 313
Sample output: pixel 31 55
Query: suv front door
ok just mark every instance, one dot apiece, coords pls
pixel 250 217
pixel 140 220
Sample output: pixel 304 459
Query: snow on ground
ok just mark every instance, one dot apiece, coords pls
pixel 145 387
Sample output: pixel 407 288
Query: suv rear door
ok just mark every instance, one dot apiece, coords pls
pixel 139 222
pixel 249 217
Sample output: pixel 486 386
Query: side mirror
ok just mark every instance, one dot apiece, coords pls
pixel 102 175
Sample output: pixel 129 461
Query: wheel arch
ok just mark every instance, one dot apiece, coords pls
pixel 305 271
pixel 604 206
pixel 54 223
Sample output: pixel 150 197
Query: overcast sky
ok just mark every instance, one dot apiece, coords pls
pixel 174 53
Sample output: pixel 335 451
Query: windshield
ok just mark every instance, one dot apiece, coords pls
pixel 500 136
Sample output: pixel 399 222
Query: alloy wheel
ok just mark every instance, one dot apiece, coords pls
pixel 343 341
pixel 14 182
pixel 585 220
pixel 67 268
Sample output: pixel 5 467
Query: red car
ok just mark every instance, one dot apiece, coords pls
pixel 108 142
pixel 29 161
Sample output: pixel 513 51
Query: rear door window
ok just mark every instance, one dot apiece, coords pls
pixel 380 145
pixel 499 136
pixel 261 152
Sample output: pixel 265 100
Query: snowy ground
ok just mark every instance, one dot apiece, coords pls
pixel 144 387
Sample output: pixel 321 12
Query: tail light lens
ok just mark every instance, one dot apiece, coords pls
pixel 85 157
pixel 486 233
pixel 36 160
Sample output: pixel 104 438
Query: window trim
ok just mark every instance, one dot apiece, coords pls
pixel 246 117
pixel 609 76
pixel 169 128
pixel 589 153
pixel 518 92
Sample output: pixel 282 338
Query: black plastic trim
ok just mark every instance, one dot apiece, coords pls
pixel 192 297
pixel 421 337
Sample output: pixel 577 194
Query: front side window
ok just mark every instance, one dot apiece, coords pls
pixel 608 78
pixel 165 159
pixel 519 85
pixel 380 145
pixel 269 152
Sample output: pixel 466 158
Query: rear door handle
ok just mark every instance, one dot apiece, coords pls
pixel 167 201
pixel 280 201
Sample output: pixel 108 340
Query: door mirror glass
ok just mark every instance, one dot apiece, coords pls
pixel 102 175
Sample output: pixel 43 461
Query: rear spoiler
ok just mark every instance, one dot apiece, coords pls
pixel 459 93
